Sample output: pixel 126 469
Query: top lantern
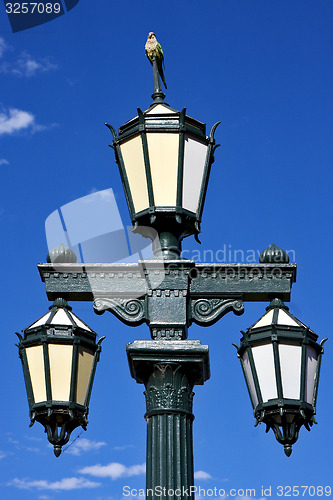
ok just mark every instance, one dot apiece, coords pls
pixel 164 158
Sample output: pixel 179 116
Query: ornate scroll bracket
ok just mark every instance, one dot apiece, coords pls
pixel 206 312
pixel 129 311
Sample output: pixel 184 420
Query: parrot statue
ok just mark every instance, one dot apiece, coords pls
pixel 154 49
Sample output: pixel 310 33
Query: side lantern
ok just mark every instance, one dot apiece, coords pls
pixel 281 360
pixel 59 355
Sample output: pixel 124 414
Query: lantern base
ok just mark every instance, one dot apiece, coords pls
pixel 59 424
pixel 286 422
pixel 166 230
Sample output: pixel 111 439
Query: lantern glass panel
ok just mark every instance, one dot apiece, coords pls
pixel 60 370
pixel 61 318
pixel 163 158
pixel 266 320
pixel 132 154
pixel 264 363
pixel 194 163
pixel 35 357
pixel 41 321
pixel 84 368
pixel 249 378
pixel 311 368
pixel 285 319
pixel 290 364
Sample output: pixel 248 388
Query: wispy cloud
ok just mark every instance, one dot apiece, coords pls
pixel 123 447
pixel 114 470
pixel 83 445
pixel 3 46
pixel 14 120
pixel 27 66
pixel 2 453
pixel 3 161
pixel 201 474
pixel 68 483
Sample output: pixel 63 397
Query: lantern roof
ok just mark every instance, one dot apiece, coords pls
pixel 60 314
pixel 277 314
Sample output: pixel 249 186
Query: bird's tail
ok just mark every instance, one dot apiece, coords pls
pixel 163 80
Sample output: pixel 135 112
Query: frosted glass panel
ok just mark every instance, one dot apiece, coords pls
pixel 85 363
pixel 80 323
pixel 132 153
pixel 160 109
pixel 163 159
pixel 194 161
pixel 267 319
pixel 249 378
pixel 264 362
pixel 37 374
pixel 285 319
pixel 311 367
pixel 60 370
pixel 61 318
pixel 290 363
pixel 41 321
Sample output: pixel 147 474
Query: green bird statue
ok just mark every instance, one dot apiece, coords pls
pixel 154 49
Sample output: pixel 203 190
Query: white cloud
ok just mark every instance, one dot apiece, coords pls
pixel 3 46
pixel 68 483
pixel 27 66
pixel 82 445
pixel 114 470
pixel 124 447
pixel 3 161
pixel 200 474
pixel 14 120
pixel 2 453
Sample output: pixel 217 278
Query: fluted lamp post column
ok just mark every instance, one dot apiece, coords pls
pixel 169 371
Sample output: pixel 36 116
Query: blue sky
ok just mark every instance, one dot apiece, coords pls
pixel 264 69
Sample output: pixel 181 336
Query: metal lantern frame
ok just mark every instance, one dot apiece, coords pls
pixel 58 417
pixel 285 416
pixel 175 219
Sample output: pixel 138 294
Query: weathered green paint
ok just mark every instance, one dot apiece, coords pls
pixel 250 282
pixel 168 295
pixel 169 370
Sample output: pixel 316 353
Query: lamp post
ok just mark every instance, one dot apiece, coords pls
pixel 164 158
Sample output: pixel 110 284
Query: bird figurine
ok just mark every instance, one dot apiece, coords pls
pixel 154 49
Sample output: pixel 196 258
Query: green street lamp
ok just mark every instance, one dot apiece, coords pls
pixel 281 361
pixel 164 158
pixel 59 355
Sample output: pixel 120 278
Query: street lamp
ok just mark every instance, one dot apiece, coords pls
pixel 59 355
pixel 164 159
pixel 281 362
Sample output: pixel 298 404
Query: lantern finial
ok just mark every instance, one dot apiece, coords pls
pixel 288 449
